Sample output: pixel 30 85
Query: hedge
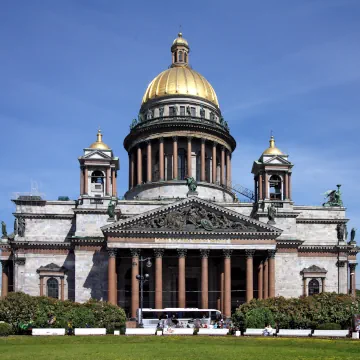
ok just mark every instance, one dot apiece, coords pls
pixel 19 308
pixel 299 313
pixel 5 329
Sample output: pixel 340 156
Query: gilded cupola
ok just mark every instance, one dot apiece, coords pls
pixel 180 79
pixel 98 144
pixel 272 149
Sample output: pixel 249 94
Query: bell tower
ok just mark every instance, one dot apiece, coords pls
pixel 98 172
pixel 272 176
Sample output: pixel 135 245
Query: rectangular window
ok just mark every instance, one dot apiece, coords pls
pixel 193 111
pixel 171 110
pixel 182 110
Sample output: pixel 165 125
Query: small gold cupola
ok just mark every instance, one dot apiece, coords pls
pixel 180 51
pixel 98 144
pixel 272 150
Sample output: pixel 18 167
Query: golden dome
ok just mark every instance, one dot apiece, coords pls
pixel 98 144
pixel 272 150
pixel 180 41
pixel 180 80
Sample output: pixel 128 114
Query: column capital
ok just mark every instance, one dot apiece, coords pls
pixel 340 263
pixel 159 253
pixel 271 254
pixel 249 253
pixel 227 253
pixel 223 148
pixel 214 144
pixel 181 252
pixel 204 253
pixel 203 140
pixel 175 138
pixel 352 266
pixel 4 263
pixel 112 252
pixel 189 138
pixel 161 139
pixel 148 141
pixel 20 261
pixel 135 252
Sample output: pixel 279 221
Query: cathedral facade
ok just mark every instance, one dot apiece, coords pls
pixel 181 218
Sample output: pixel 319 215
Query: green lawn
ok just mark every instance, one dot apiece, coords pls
pixel 156 348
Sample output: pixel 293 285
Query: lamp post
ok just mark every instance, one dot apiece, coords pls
pixel 142 280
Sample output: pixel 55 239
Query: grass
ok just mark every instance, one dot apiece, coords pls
pixel 174 347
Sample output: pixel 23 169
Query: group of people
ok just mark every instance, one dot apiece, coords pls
pixel 268 331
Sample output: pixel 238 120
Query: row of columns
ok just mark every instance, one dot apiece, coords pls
pixel 266 273
pixel 110 183
pixel 262 190
pixel 225 178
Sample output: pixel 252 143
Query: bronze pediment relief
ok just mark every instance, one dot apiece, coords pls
pixel 193 218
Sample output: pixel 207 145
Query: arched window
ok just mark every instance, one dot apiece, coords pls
pixel 185 55
pixel 181 164
pixel 180 56
pixel 275 187
pixel 53 288
pixel 314 287
pixel 97 177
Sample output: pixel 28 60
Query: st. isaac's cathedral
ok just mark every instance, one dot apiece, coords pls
pixel 207 248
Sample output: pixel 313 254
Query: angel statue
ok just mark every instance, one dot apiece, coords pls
pixel 352 235
pixel 3 229
pixel 271 214
pixel 191 183
pixel 333 197
pixel 111 210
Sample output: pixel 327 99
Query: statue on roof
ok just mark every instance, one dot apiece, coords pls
pixel 191 183
pixel 271 214
pixel 352 235
pixel 133 124
pixel 3 229
pixel 111 210
pixel 333 197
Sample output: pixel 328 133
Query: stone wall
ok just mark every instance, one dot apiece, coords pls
pixel 91 275
pixel 289 281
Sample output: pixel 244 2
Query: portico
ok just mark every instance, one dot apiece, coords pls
pixel 222 243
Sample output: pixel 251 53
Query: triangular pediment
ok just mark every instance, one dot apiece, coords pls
pixel 277 160
pixel 97 154
pixel 193 216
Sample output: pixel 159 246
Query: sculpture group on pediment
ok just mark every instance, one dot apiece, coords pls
pixel 195 218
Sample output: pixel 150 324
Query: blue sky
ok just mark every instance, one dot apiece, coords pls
pixel 68 67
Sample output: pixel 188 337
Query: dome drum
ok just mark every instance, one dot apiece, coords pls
pixel 167 189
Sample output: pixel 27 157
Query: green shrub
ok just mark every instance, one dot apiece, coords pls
pixel 259 318
pixel 5 329
pixel 300 313
pixel 19 308
pixel 328 326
